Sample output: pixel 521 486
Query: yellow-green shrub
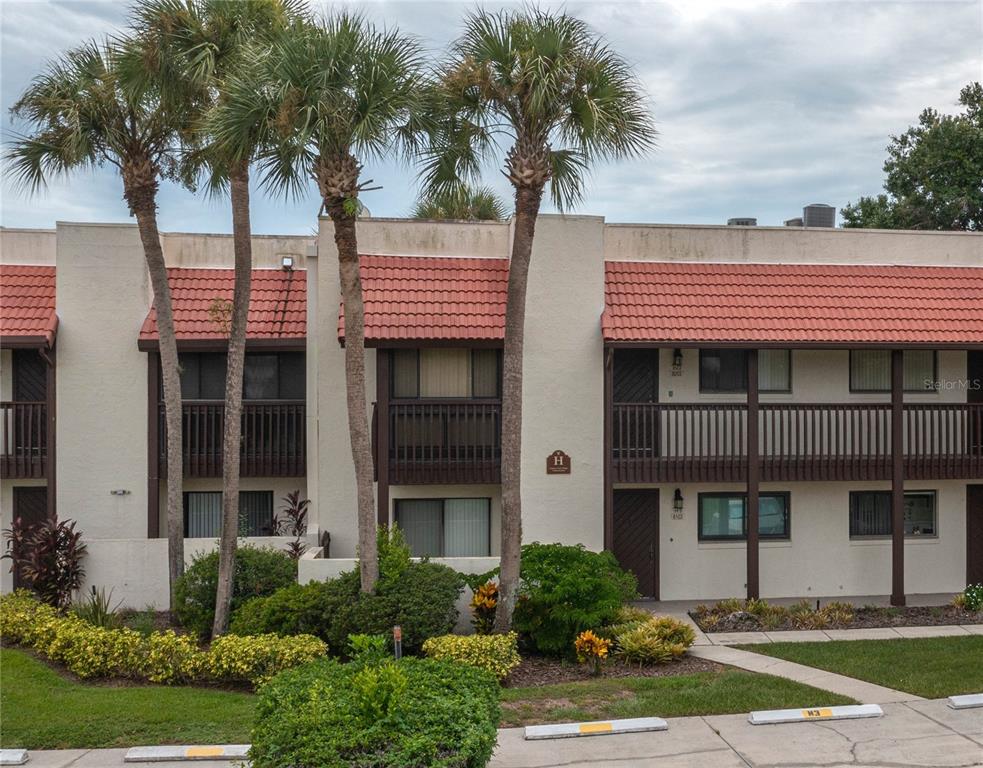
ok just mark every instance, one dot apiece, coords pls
pixel 89 651
pixel 497 654
pixel 20 613
pixel 171 658
pixel 257 658
pixel 658 640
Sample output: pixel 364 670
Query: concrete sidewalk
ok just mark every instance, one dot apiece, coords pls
pixel 922 733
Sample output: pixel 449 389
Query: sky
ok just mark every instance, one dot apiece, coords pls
pixel 761 107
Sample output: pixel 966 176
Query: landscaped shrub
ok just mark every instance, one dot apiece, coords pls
pixel 483 604
pixel 760 614
pixel 657 640
pixel 498 654
pixel 97 608
pixel 416 712
pixel 47 555
pixel 258 658
pixel 161 657
pixel 566 589
pixel 972 598
pixel 591 649
pixel 422 600
pixel 258 572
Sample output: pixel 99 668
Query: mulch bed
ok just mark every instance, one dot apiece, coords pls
pixel 540 670
pixel 868 617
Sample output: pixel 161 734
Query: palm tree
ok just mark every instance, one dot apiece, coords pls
pixel 200 45
pixel 87 113
pixel 338 92
pixel 464 203
pixel 542 85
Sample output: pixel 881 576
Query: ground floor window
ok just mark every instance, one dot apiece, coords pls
pixel 446 527
pixel 203 514
pixel 723 516
pixel 870 513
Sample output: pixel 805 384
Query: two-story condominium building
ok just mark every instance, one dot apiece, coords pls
pixel 783 412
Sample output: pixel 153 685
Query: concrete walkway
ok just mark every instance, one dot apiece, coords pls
pixel 860 691
pixel 917 734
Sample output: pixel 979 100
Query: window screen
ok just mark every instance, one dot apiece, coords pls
pixel 203 514
pixel 445 373
pixel 484 373
pixel 261 378
pixel 445 527
pixel 724 516
pixel 725 370
pixel 870 370
pixel 265 376
pixel 870 513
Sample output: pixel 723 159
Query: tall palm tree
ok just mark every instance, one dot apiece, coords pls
pixel 463 203
pixel 200 45
pixel 87 112
pixel 542 87
pixel 338 92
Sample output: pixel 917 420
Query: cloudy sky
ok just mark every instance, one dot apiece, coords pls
pixel 761 106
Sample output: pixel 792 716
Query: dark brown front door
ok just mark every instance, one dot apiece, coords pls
pixel 31 506
pixel 974 534
pixel 636 536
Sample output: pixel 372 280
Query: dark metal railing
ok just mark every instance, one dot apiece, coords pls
pixel 274 438
pixel 23 439
pixel 654 442
pixel 445 441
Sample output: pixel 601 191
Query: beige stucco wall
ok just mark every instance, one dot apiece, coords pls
pixel 674 242
pixel 27 246
pixel 820 559
pixel 184 249
pixel 103 294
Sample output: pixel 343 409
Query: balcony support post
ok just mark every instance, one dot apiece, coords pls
pixel 897 478
pixel 382 423
pixel 753 476
pixel 50 466
pixel 608 363
pixel 153 444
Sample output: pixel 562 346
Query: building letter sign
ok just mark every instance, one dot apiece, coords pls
pixel 558 463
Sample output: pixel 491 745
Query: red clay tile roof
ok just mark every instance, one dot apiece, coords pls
pixel 277 305
pixel 791 303
pixel 27 304
pixel 425 298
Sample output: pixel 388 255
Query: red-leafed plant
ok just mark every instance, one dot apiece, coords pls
pixel 293 522
pixel 48 556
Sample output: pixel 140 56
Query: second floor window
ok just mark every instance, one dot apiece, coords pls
pixel 725 370
pixel 266 376
pixel 870 370
pixel 445 373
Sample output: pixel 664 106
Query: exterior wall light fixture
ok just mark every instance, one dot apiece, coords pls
pixel 677 358
pixel 677 501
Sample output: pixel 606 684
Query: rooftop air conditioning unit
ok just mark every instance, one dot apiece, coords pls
pixel 742 221
pixel 796 222
pixel 819 215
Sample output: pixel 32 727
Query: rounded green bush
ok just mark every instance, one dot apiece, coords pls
pixel 564 590
pixel 422 600
pixel 417 712
pixel 258 572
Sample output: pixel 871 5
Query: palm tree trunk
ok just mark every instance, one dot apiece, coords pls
pixel 358 418
pixel 144 207
pixel 527 202
pixel 232 432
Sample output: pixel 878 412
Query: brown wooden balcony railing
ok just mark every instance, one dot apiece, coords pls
pixel 274 440
pixel 23 439
pixel 697 442
pixel 445 441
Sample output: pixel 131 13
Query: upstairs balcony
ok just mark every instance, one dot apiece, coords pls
pixel 274 442
pixel 23 439
pixel 441 441
pixel 663 442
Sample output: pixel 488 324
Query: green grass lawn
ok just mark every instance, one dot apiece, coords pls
pixel 708 693
pixel 39 709
pixel 932 667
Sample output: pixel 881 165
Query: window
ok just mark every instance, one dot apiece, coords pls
pixel 870 513
pixel 723 516
pixel 442 372
pixel 725 370
pixel 266 376
pixel 446 527
pixel 870 370
pixel 203 514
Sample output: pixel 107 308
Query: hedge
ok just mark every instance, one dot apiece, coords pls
pixel 497 654
pixel 406 714
pixel 89 651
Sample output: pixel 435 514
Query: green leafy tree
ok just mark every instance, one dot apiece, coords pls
pixel 199 46
pixel 542 88
pixel 88 109
pixel 934 174
pixel 337 92
pixel 464 203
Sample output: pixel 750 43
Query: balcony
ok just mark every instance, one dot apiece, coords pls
pixel 443 441
pixel 273 438
pixel 23 440
pixel 661 442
